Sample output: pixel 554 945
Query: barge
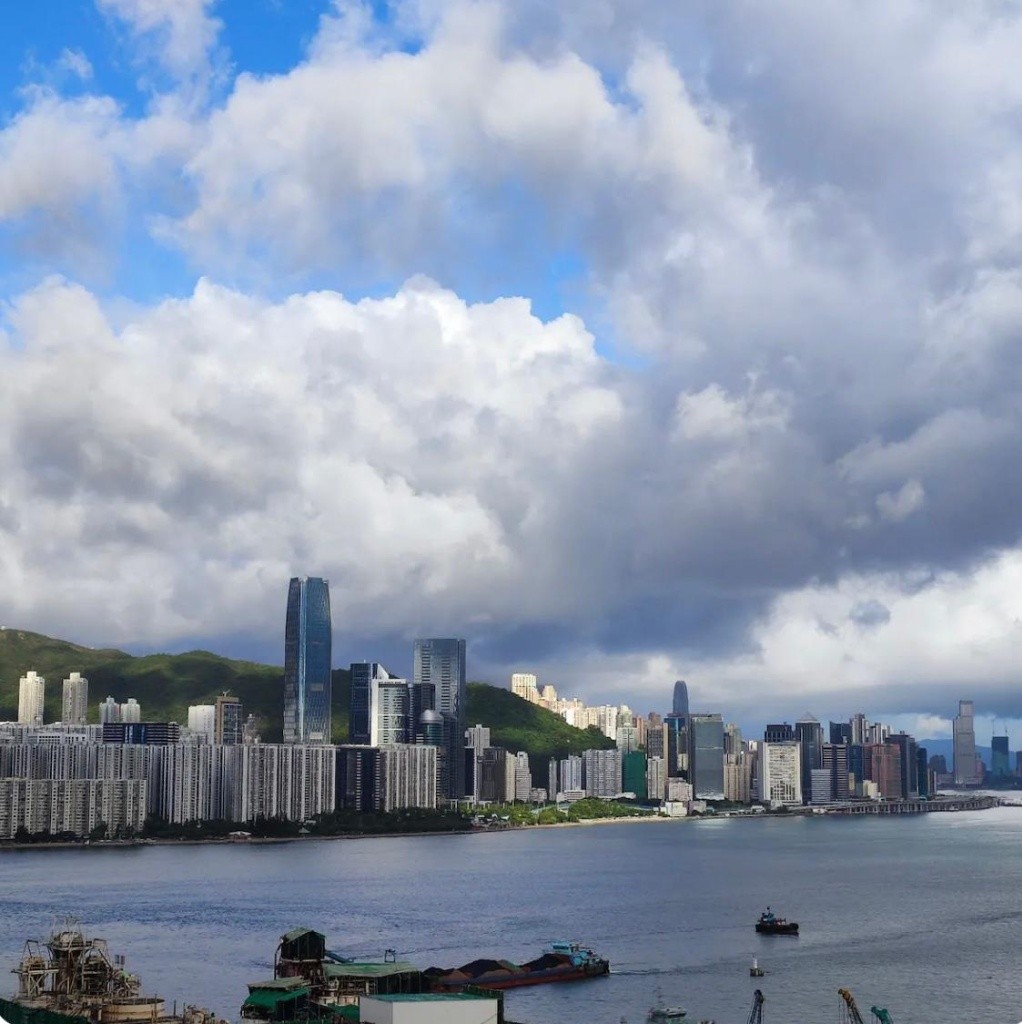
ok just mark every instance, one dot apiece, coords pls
pixel 563 961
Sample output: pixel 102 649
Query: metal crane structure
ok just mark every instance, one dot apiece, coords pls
pixel 756 1014
pixel 851 1011
pixel 881 1015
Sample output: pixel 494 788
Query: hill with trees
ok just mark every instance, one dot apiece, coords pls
pixel 166 684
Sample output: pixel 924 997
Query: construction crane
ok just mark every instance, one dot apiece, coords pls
pixel 851 1014
pixel 881 1015
pixel 756 1014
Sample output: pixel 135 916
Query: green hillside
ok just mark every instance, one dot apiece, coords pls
pixel 166 684
pixel 515 724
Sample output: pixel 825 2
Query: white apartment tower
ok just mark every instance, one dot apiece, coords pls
pixel 31 691
pixel 74 708
pixel 525 685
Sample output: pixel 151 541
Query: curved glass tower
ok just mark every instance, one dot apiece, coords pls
pixel 307 648
pixel 680 703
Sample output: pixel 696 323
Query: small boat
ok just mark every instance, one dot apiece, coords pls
pixel 755 971
pixel 660 1014
pixel 770 924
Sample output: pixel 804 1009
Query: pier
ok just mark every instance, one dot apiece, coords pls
pixel 944 804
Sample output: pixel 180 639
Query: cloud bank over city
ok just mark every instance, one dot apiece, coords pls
pixel 631 341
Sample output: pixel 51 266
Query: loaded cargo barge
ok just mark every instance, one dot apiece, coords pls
pixel 563 961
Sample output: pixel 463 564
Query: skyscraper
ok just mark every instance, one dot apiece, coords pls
pixel 228 722
pixel 964 740
pixel 74 709
pixel 307 643
pixel 31 692
pixel 809 734
pixel 706 754
pixel 441 663
pixel 680 703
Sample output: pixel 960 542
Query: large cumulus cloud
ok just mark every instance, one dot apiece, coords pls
pixel 775 447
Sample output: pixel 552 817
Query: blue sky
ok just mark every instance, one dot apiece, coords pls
pixel 631 341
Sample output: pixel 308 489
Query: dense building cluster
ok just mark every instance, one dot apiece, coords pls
pixel 409 746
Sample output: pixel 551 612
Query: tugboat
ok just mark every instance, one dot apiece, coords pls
pixel 770 924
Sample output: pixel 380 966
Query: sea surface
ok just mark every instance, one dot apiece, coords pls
pixel 922 915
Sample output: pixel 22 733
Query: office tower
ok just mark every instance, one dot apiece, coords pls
pixel 601 773
pixel 229 727
pixel 202 721
pixel 858 727
pixel 809 733
pixel 74 707
pixel 856 768
pixel 706 751
pixel 885 769
pixel 31 693
pixel 656 737
pixel 441 664
pixel 778 733
pixel 923 773
pixel 677 727
pixel 835 760
pixel 633 774
pixel 999 757
pixel 422 698
pixel 679 705
pixel 131 711
pixel 307 661
pixel 388 710
pixel 964 745
pixel 656 779
pixel 841 732
pixel 360 702
pixel 732 740
pixel 430 728
pixel 780 773
pixel 909 765
pixel 109 711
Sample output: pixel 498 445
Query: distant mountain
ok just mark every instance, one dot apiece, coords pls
pixel 166 684
pixel 946 747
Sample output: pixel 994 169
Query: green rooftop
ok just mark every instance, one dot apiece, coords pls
pixel 369 970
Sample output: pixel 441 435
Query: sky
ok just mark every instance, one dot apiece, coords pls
pixel 631 341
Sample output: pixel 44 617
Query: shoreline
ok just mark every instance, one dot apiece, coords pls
pixel 802 813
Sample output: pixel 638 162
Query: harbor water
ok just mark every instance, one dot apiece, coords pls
pixel 920 914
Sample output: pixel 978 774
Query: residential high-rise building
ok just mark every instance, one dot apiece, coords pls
pixel 523 777
pixel 131 711
pixel 109 711
pixel 706 753
pixel 780 779
pixel 202 721
pixel 31 694
pixel 228 721
pixel 656 778
pixel 389 721
pixel 602 773
pixel 551 778
pixel 964 744
pixel 478 737
pixel 307 661
pixel 440 662
pixel 525 685
pixel 570 774
pixel 74 706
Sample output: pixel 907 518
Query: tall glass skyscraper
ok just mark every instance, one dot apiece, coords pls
pixel 680 703
pixel 307 645
pixel 441 664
